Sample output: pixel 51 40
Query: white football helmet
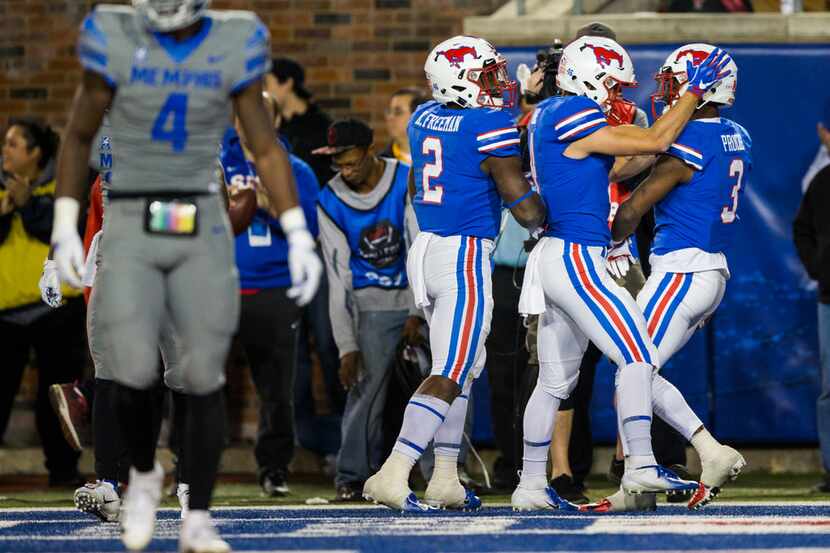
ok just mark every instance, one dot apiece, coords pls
pixel 672 80
pixel 596 67
pixel 170 15
pixel 468 71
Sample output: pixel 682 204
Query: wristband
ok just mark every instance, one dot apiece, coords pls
pixel 292 219
pixel 66 214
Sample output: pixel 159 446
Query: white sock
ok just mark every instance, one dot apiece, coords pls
pixel 446 468
pixel 705 444
pixel 449 435
pixel 670 406
pixel 421 419
pixel 539 418
pixel 634 412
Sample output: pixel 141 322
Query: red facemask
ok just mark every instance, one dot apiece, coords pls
pixel 621 112
pixel 494 82
pixel 668 90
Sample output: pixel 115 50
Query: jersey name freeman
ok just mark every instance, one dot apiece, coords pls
pixel 432 122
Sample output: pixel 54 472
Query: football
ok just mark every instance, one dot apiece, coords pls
pixel 241 208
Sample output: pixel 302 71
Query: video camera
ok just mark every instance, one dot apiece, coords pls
pixel 548 61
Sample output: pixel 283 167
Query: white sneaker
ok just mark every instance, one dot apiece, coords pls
pixel 100 499
pixel 199 535
pixel 183 493
pixel 724 466
pixel 535 499
pixel 654 478
pixel 385 488
pixel 138 519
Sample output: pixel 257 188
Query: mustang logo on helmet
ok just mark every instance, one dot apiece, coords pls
pixel 605 56
pixel 456 55
pixel 697 55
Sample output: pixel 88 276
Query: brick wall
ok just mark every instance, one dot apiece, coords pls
pixel 356 52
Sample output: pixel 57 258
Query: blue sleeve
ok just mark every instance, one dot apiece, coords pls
pixel 577 118
pixel 496 134
pixel 689 148
pixel 92 48
pixel 256 58
pixel 308 190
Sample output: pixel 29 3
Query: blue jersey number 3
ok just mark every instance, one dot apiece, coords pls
pixel 175 131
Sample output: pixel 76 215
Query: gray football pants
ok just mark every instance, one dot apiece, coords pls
pixel 147 285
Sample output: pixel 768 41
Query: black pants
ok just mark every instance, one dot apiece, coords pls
pixel 267 331
pixel 506 365
pixel 59 343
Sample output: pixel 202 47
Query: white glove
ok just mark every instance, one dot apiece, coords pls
pixel 303 263
pixel 50 284
pixel 619 258
pixel 68 251
pixel 523 76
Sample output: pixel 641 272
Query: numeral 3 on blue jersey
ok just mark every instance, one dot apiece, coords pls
pixel 175 131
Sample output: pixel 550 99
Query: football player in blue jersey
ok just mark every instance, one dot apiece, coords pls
pixel 694 188
pixel 573 153
pixel 170 72
pixel 465 167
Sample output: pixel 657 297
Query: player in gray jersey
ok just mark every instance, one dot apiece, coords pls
pixel 170 72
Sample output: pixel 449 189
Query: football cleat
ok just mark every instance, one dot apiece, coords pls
pixel 725 466
pixel 451 495
pixel 386 490
pixel 620 502
pixel 199 535
pixel 654 478
pixel 138 519
pixel 525 499
pixel 100 499
pixel 183 495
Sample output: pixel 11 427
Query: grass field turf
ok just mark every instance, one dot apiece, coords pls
pixel 759 512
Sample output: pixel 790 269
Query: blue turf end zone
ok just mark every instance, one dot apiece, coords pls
pixel 718 527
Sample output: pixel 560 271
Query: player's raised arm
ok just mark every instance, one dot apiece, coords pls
pixel 524 203
pixel 274 171
pixel 633 140
pixel 92 98
pixel 668 172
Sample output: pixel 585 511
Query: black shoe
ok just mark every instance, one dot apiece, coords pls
pixel 616 471
pixel 273 484
pixel 822 487
pixel 679 496
pixel 468 481
pixel 352 492
pixel 566 488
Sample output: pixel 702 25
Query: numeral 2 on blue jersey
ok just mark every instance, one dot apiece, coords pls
pixel 175 131
pixel 433 193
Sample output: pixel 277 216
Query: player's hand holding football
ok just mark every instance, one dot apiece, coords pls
pixel 50 284
pixel 303 262
pixel 619 259
pixel 708 73
pixel 349 365
pixel 68 251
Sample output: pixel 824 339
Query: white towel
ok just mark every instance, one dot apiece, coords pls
pixel 415 269
pixel 90 265
pixel 532 297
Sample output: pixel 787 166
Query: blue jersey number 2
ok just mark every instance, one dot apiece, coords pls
pixel 174 131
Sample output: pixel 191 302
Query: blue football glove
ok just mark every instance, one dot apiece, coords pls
pixel 709 73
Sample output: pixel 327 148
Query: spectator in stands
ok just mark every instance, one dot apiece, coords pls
pixel 364 233
pixel 401 106
pixel 268 317
pixel 27 188
pixel 822 158
pixel 811 232
pixel 304 124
